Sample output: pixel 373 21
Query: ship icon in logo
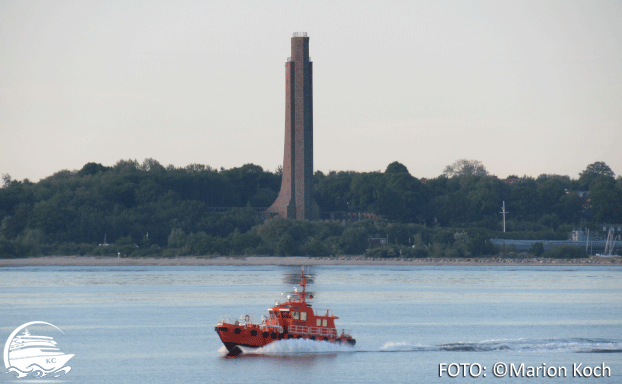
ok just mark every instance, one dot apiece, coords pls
pixel 30 355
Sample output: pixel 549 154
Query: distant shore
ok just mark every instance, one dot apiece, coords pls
pixel 296 261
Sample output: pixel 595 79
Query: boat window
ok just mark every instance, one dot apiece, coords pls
pixel 295 315
pixel 303 316
pixel 319 322
pixel 324 323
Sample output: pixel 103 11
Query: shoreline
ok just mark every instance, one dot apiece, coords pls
pixel 53 261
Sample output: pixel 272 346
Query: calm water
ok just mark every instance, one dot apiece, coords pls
pixel 156 324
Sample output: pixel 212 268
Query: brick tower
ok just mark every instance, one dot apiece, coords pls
pixel 295 200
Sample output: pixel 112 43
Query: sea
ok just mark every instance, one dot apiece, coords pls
pixel 412 324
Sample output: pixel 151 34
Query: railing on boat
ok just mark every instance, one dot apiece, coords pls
pixel 321 331
pixel 242 320
pixel 246 320
pixel 249 320
pixel 323 312
pixel 277 328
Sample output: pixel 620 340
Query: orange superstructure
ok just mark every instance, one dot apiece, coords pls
pixel 293 319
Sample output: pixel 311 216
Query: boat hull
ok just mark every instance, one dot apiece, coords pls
pixel 255 336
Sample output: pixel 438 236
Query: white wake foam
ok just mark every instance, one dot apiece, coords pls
pixel 299 346
pixel 574 345
pixel 403 347
pixel 223 350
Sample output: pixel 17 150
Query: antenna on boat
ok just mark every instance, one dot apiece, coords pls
pixel 303 283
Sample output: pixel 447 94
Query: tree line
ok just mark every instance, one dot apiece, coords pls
pixel 149 209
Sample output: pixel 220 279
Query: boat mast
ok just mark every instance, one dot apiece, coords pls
pixel 303 284
pixel 611 242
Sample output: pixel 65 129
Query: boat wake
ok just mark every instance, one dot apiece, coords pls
pixel 297 346
pixel 573 345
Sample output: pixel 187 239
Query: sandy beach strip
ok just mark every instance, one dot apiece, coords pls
pixel 295 261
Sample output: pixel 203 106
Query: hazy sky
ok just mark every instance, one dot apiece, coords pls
pixel 526 87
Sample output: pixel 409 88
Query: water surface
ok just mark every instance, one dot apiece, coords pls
pixel 156 323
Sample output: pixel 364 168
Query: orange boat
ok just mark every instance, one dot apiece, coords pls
pixel 293 319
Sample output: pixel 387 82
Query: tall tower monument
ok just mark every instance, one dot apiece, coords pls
pixel 295 200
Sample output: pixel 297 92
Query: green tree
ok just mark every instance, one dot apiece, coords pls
pixel 125 245
pixel 241 242
pixel 399 196
pixel 363 190
pixel 11 226
pixel 91 169
pixel 606 200
pixel 353 241
pixel 570 206
pixel 202 244
pixel 485 198
pixel 549 194
pixel 286 245
pixel 479 245
pixel 333 192
pixel 565 252
pixel 8 249
pixel 263 198
pixel 537 249
pixel 248 179
pixel 315 247
pixel 6 180
pixel 177 238
pixel 31 241
pixel 550 220
pixel 453 208
pixel 396 167
pixel 524 200
pixel 151 165
pixel 464 167
pixel 593 171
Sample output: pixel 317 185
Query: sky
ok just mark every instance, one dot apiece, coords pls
pixel 525 87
